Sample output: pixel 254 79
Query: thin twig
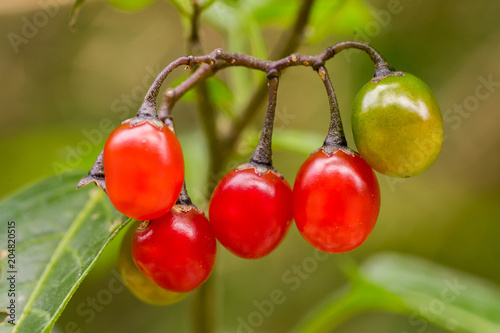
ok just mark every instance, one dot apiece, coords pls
pixel 217 60
pixel 203 307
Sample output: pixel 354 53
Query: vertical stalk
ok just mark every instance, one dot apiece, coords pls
pixel 335 137
pixel 203 307
pixel 263 152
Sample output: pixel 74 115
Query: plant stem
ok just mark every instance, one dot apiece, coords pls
pixel 203 319
pixel 263 152
pixel 211 63
pixel 203 308
pixel 335 137
pixel 382 67
pixel 217 60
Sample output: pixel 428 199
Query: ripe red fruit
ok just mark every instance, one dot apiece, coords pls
pixel 336 200
pixel 176 251
pixel 251 212
pixel 144 170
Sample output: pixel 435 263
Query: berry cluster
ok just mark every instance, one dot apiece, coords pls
pixel 335 200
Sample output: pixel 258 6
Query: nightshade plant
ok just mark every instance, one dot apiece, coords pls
pixel 335 199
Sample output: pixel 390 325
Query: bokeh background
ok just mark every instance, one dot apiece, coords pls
pixel 63 91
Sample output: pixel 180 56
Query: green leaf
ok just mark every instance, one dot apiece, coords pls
pixel 457 299
pixel 130 5
pixel 278 12
pixel 59 233
pixel 183 7
pixel 339 17
pixel 74 13
pixel 296 141
pixel 423 290
pixel 221 16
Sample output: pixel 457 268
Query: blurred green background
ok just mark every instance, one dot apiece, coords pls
pixel 62 92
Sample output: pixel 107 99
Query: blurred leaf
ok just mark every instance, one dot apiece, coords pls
pixel 221 16
pixel 182 6
pixel 255 37
pixel 235 20
pixel 277 12
pixel 60 232
pixel 339 17
pixel 463 301
pixel 232 2
pixel 130 5
pixel 296 141
pixel 220 93
pixel 328 17
pixel 425 291
pixel 74 13
pixel 205 4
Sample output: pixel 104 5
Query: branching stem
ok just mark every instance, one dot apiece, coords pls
pixel 217 60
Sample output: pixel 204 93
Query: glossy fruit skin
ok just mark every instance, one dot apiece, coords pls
pixel 138 284
pixel 397 125
pixel 336 200
pixel 144 170
pixel 176 251
pixel 250 212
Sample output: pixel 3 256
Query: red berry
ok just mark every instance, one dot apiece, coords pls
pixel 136 282
pixel 176 251
pixel 144 170
pixel 251 212
pixel 336 200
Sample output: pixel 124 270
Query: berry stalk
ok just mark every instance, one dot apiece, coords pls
pixel 263 152
pixel 335 137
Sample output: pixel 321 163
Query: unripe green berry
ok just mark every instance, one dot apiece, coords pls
pixel 397 125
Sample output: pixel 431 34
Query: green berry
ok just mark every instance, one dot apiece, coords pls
pixel 397 125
